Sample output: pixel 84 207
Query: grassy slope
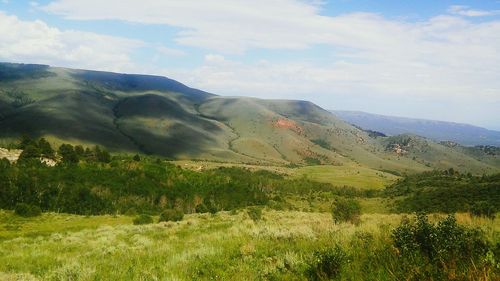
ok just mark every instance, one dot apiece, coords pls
pixel 160 116
pixel 231 247
pixel 346 175
pixel 356 176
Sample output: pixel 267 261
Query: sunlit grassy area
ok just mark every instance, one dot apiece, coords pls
pixel 348 175
pixel 225 246
pixel 345 175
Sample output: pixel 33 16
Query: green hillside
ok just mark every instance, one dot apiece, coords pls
pixel 159 116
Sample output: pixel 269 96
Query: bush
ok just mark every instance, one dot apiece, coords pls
pixel 436 251
pixel 327 264
pixel 254 213
pixel 137 158
pixel 346 210
pixel 26 210
pixel 171 215
pixel 131 212
pixel 143 219
pixel 202 208
pixel 483 209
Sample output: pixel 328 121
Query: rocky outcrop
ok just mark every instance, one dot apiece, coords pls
pixel 12 155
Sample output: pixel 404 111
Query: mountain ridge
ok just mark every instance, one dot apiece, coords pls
pixel 160 116
pixel 462 133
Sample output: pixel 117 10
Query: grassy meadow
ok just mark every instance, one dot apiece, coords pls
pixel 94 216
pixel 224 246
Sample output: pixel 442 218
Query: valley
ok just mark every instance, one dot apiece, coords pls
pixel 107 176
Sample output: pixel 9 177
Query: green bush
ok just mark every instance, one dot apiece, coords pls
pixel 346 210
pixel 327 264
pixel 171 215
pixel 26 210
pixel 255 213
pixel 143 219
pixel 131 212
pixel 202 208
pixel 483 209
pixel 433 252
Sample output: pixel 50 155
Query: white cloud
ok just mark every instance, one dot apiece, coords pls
pixel 448 57
pixel 224 25
pixel 36 42
pixel 170 52
pixel 467 12
pixel 211 58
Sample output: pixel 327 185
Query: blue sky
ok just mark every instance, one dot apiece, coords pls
pixel 428 59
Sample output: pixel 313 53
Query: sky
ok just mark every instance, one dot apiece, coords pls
pixel 425 59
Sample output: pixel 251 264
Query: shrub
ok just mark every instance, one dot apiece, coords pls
pixel 483 209
pixel 26 210
pixel 131 212
pixel 254 213
pixel 346 210
pixel 137 158
pixel 171 215
pixel 202 208
pixel 143 219
pixel 327 264
pixel 431 251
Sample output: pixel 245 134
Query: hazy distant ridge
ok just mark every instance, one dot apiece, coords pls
pixel 438 130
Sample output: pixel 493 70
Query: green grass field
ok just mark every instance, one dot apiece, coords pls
pixel 347 175
pixel 201 247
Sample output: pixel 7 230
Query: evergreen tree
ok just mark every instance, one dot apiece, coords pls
pixel 45 148
pixel 30 152
pixel 68 153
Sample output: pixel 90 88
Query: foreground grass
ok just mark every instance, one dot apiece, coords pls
pixel 224 246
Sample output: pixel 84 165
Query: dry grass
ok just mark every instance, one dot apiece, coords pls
pixel 201 246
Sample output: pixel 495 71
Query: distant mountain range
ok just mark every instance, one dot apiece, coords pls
pixel 437 130
pixel 159 116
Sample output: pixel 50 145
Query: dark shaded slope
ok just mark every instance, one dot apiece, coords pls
pixel 70 115
pixel 140 83
pixel 162 126
pixel 15 71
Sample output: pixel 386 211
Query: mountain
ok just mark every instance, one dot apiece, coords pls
pixel 437 130
pixel 159 116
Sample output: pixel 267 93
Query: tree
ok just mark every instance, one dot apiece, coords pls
pixel 102 155
pixel 68 153
pixel 25 141
pixel 80 152
pixel 30 152
pixel 45 148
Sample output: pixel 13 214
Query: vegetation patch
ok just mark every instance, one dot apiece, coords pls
pixel 426 192
pixel 26 210
pixel 346 210
pixel 171 215
pixel 143 219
